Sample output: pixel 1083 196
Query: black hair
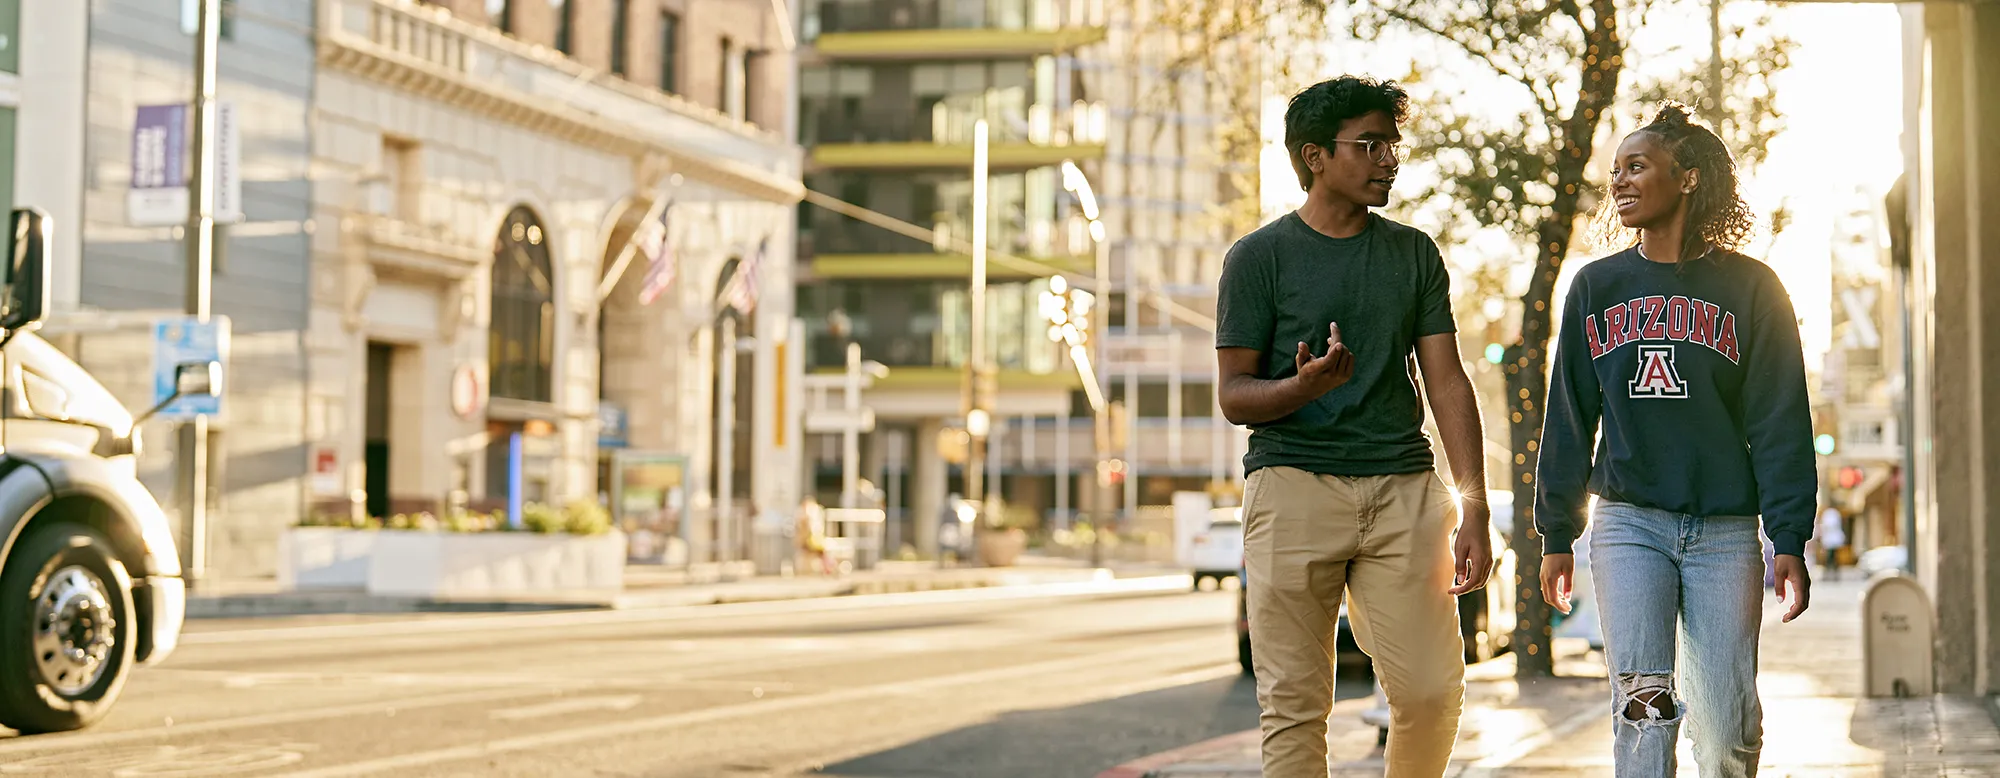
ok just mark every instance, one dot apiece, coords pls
pixel 1317 112
pixel 1717 216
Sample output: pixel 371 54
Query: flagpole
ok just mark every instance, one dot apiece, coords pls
pixel 624 260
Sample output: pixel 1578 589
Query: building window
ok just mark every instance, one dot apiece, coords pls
pixel 191 19
pixel 402 174
pixel 565 18
pixel 621 15
pixel 501 12
pixel 730 100
pixel 521 339
pixel 670 52
pixel 753 67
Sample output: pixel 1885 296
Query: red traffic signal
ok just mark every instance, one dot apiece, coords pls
pixel 1849 477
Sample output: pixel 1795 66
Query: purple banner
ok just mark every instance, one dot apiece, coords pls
pixel 159 141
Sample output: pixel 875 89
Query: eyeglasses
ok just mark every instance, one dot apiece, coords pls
pixel 1382 151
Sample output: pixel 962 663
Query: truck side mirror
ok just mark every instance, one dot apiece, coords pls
pixel 25 301
pixel 191 379
pixel 197 379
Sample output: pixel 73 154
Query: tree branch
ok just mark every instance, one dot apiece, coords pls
pixel 1544 100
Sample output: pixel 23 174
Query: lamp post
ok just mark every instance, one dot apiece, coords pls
pixel 1088 352
pixel 978 421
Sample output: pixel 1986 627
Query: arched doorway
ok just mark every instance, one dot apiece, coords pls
pixel 520 354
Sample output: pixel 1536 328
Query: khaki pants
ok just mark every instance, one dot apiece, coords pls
pixel 1385 540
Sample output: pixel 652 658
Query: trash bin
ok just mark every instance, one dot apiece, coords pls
pixel 1897 630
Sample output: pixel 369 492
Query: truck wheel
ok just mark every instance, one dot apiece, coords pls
pixel 66 630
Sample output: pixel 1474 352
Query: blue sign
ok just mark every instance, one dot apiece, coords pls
pixel 183 341
pixel 612 426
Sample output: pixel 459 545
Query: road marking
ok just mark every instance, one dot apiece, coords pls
pixel 1146 585
pixel 823 700
pixel 168 761
pixel 96 739
pixel 572 705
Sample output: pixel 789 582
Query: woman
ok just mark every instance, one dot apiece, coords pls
pixel 1685 355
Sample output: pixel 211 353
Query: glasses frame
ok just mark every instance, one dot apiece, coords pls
pixel 1382 151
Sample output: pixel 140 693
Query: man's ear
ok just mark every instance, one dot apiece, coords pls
pixel 1315 157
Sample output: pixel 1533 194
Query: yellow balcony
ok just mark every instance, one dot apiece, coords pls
pixel 949 265
pixel 918 155
pixel 954 43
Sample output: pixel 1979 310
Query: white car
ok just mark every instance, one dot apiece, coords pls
pixel 1217 552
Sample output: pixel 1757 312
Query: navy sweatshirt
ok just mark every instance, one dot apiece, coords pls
pixel 1698 383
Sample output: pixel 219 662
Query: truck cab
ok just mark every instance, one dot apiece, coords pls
pixel 90 579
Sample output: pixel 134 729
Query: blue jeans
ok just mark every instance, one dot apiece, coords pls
pixel 1654 571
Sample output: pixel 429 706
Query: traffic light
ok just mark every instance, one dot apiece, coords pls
pixel 1495 353
pixel 1824 444
pixel 1850 477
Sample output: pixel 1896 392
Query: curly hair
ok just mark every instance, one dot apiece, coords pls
pixel 1717 214
pixel 1316 113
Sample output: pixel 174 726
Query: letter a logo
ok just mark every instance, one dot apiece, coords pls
pixel 1657 378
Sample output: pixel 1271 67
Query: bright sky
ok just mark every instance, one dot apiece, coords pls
pixel 1842 97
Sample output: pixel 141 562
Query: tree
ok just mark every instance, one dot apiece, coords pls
pixel 1564 61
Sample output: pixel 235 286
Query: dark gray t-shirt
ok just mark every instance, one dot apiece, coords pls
pixel 1386 287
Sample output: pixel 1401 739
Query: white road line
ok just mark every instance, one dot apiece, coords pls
pixel 824 700
pixel 571 705
pixel 147 734
pixel 1147 585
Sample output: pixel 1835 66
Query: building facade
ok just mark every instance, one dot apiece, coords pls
pixel 491 181
pixel 120 59
pixel 889 93
pixel 1952 165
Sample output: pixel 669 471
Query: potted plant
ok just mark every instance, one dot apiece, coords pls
pixel 568 551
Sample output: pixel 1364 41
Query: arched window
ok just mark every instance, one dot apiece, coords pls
pixel 521 341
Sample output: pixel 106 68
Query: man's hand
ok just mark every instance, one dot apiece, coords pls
pixel 1793 580
pixel 1558 575
pixel 1319 375
pixel 1472 554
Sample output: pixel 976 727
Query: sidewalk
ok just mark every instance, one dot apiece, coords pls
pixel 1814 725
pixel 650 586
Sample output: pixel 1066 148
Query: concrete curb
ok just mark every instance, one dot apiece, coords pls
pixel 1186 755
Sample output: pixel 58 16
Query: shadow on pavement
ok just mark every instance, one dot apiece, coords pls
pixel 1080 740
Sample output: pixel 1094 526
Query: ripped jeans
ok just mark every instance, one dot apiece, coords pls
pixel 1663 576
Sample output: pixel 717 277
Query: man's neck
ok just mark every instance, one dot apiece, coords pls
pixel 1333 217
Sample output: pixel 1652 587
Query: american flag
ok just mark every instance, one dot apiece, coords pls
pixel 742 291
pixel 659 251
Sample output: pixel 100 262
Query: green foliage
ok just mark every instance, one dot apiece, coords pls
pixel 542 519
pixel 586 517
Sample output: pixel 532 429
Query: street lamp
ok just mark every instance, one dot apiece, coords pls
pixel 1084 317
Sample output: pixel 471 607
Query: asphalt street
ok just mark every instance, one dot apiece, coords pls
pixel 1058 681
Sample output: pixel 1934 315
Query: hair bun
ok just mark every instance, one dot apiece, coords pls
pixel 1673 112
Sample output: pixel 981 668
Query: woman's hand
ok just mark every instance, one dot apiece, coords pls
pixel 1558 575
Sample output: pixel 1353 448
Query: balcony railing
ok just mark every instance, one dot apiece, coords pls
pixel 880 15
pixel 430 39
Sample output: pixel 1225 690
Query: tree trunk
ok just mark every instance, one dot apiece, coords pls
pixel 1527 361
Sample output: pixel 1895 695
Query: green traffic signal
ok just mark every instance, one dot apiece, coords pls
pixel 1495 352
pixel 1824 445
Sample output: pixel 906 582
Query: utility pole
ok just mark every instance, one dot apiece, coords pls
pixel 193 449
pixel 977 419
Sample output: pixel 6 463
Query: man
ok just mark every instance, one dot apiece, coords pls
pixel 1318 316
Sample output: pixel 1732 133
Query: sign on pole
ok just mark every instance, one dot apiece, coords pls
pixel 180 341
pixel 228 164
pixel 159 193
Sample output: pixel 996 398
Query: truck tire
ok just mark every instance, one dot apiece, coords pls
pixel 66 630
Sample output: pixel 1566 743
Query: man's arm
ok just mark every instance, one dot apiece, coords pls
pixel 1247 399
pixel 1457 412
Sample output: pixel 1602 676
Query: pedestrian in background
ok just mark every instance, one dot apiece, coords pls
pixel 1319 316
pixel 1685 355
pixel 1832 538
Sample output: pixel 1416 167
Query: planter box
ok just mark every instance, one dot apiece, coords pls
pixel 460 565
pixel 325 557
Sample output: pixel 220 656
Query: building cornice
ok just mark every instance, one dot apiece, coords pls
pixel 425 51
